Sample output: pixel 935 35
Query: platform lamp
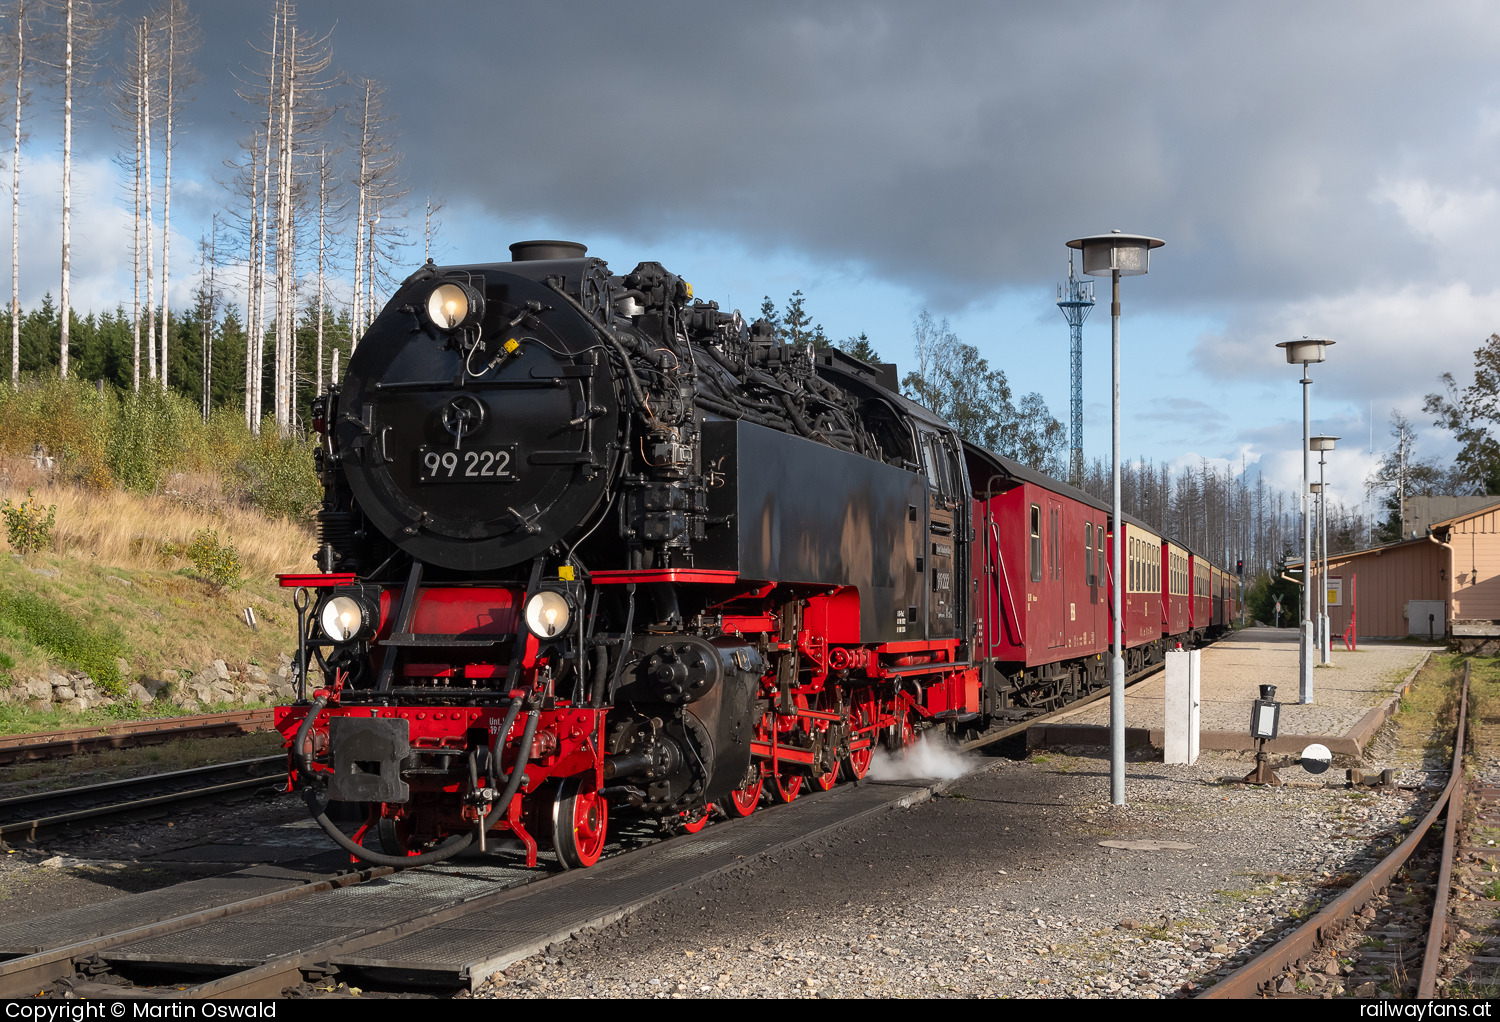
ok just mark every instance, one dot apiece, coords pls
pixel 1116 255
pixel 1305 352
pixel 1323 444
pixel 1316 489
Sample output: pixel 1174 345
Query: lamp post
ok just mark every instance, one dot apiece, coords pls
pixel 1323 444
pixel 1305 352
pixel 1116 255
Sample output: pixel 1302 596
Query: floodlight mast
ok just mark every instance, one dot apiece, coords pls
pixel 1076 300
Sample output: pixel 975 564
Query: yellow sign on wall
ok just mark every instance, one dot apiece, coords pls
pixel 1335 591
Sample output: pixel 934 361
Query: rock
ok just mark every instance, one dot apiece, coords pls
pixel 284 671
pixel 1286 986
pixel 62 693
pixel 1130 924
pixel 76 705
pixel 120 581
pixel 53 863
pixel 221 670
pixel 255 673
pixel 188 705
pixel 36 688
pixel 152 685
pixel 204 678
pixel 221 692
pixel 286 660
pixel 54 679
pixel 40 705
pixel 139 693
pixel 123 666
pixel 257 693
pixel 53 572
pixel 283 693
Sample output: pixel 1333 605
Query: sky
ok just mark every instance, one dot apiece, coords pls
pixel 1314 169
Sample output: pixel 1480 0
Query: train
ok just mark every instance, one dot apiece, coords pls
pixel 591 547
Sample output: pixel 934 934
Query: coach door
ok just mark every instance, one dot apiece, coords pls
pixel 944 489
pixel 1056 595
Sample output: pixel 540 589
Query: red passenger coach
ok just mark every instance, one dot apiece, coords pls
pixel 1042 603
pixel 1143 589
pixel 1202 598
pixel 1175 560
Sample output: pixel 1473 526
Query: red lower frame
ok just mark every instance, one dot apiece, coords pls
pixel 565 746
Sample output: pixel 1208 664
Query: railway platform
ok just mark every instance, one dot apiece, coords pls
pixel 1352 697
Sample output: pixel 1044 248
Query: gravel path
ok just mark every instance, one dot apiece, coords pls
pixel 1000 887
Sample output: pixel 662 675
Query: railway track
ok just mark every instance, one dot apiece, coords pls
pixel 25 817
pixel 453 924
pixel 52 744
pixel 257 946
pixel 1373 917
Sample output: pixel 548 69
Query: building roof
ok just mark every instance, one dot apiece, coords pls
pixel 1447 510
pixel 1376 550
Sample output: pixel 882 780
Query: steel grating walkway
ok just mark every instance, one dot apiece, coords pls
pixel 30 935
pixel 449 925
pixel 467 951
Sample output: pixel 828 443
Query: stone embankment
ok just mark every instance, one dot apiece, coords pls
pixel 188 691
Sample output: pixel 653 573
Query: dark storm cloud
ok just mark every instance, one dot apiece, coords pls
pixel 950 148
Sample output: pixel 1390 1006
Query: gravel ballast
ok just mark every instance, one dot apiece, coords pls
pixel 1001 887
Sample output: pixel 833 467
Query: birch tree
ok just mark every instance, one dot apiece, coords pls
pixel 130 109
pixel 179 31
pixel 380 188
pixel 17 15
pixel 84 23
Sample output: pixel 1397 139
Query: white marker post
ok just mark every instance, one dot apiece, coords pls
pixel 1183 706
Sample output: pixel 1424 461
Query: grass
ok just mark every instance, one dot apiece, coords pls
pixel 117 582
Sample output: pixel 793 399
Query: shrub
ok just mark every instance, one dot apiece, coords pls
pixel 277 475
pixel 65 638
pixel 27 527
pixel 218 562
pixel 103 437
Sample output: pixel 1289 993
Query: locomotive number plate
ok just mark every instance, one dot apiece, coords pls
pixel 491 463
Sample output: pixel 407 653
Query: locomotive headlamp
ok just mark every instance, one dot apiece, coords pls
pixel 547 613
pixel 342 618
pixel 452 305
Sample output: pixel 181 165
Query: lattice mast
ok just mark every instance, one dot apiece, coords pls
pixel 1075 299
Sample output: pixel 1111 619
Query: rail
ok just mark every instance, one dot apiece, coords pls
pixel 26 816
pixel 69 742
pixel 1257 976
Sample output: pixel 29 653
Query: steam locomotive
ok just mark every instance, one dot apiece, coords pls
pixel 590 546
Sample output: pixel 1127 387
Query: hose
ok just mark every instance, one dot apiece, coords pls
pixel 449 848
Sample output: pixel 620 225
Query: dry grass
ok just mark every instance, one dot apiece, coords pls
pixel 119 529
pixel 113 569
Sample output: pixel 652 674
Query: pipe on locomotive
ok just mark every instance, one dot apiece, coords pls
pixel 455 844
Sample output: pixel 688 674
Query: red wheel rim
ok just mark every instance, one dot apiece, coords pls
pixel 858 763
pixel 786 787
pixel 693 821
pixel 581 826
pixel 744 800
pixel 590 821
pixel 825 782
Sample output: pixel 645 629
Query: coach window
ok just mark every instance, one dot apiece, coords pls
pixel 1036 543
pixel 1099 561
pixel 1088 554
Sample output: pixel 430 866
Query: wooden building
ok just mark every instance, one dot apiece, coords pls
pixel 1446 583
